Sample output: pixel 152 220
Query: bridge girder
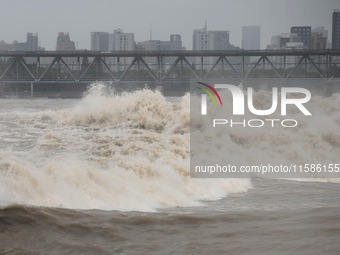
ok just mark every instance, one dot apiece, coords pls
pixel 166 66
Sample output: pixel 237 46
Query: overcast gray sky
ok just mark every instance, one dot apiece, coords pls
pixel 80 17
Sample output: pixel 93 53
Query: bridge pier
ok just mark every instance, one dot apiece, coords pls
pixel 32 89
pixel 159 88
pixel 327 89
pixel 1 90
pixel 331 87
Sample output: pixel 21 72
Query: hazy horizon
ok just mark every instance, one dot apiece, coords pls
pixel 79 18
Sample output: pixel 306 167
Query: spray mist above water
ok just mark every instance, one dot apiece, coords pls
pixel 111 152
pixel 131 151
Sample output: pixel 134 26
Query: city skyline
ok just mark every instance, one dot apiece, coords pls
pixel 247 41
pixel 48 18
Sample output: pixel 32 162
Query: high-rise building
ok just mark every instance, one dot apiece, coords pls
pixel 251 37
pixel 318 41
pixel 100 41
pixel 64 42
pixel 274 42
pixel 123 41
pixel 305 34
pixel 210 40
pixel 251 40
pixel 319 38
pixel 200 40
pixel 336 30
pixel 174 44
pixel 321 30
pixel 120 41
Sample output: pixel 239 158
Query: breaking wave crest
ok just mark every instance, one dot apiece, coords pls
pixel 131 151
pixel 111 152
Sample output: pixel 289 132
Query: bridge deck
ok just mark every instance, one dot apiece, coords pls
pixel 166 66
pixel 183 53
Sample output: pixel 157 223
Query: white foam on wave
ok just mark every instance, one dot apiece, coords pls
pixel 131 152
pixel 128 152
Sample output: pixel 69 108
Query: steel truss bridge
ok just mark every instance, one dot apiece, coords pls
pixel 166 66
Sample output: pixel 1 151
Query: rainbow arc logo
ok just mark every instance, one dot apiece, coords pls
pixel 211 92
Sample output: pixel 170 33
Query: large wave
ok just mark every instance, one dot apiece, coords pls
pixel 111 152
pixel 131 151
